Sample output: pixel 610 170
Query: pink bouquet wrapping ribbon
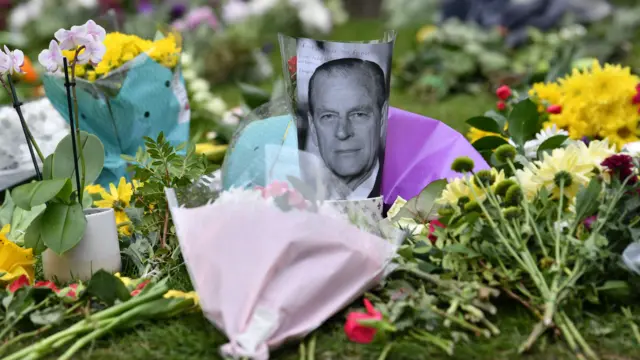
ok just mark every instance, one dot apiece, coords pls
pixel 265 275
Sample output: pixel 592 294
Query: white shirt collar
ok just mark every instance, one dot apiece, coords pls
pixel 363 191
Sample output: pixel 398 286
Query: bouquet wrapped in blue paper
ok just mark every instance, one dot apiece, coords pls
pixel 136 90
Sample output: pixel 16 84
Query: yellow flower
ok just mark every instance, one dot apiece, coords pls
pixel 121 219
pixel 395 208
pixel 128 282
pixel 15 261
pixel 525 178
pixel 476 134
pixel 94 189
pixel 568 161
pixel 118 198
pixel 183 295
pixel 596 152
pixel 423 34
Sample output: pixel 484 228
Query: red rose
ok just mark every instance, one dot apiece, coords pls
pixel 18 284
pixel 46 284
pixel 501 105
pixel 554 109
pixel 139 288
pixel 504 92
pixel 72 292
pixel 293 65
pixel 359 333
pixel 636 99
pixel 432 230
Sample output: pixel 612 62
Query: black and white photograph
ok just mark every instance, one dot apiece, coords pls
pixel 342 106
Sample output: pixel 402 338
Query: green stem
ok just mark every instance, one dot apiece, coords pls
pixel 569 337
pixel 579 339
pixel 77 123
pixel 23 336
pixel 464 324
pixel 302 351
pixel 385 351
pixel 312 348
pixel 445 345
pixel 538 330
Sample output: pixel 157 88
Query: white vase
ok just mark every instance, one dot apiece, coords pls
pixel 98 249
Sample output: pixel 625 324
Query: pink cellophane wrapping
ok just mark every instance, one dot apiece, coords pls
pixel 265 276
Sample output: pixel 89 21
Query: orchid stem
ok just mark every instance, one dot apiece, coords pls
pixel 385 351
pixel 72 122
pixel 78 135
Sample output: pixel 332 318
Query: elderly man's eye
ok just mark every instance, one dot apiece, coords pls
pixel 359 114
pixel 327 117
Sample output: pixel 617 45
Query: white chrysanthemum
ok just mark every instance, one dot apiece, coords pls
pixel 632 148
pixel 531 147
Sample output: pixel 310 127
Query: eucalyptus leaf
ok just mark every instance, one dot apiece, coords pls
pixel 63 166
pixel 427 198
pixel 523 121
pixel 485 124
pixel 36 193
pixel 65 226
pixel 551 143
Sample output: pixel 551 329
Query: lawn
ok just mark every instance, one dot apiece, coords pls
pixel 193 337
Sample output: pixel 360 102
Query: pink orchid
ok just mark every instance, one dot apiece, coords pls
pixel 51 58
pixel 12 61
pixel 92 53
pixel 96 31
pixel 74 38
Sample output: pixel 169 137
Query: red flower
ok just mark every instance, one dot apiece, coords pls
pixel 139 288
pixel 501 105
pixel 636 99
pixel 432 230
pixel 504 92
pixel 293 65
pixel 622 165
pixel 72 292
pixel 359 333
pixel 46 284
pixel 18 283
pixel 638 88
pixel 554 109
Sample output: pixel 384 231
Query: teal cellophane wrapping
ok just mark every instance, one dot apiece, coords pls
pixel 142 98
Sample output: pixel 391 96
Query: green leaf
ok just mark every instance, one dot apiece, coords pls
pixel 427 197
pixel 47 168
pixel 488 143
pixel 485 124
pixel 107 287
pixel 65 193
pixel 63 165
pixel 33 236
pixel 37 193
pixel 523 121
pixel 21 221
pixel 253 96
pixel 460 249
pixel 588 200
pixel 551 143
pixel 7 209
pixel 497 117
pixel 48 316
pixel 65 226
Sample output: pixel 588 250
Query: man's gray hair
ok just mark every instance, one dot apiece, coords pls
pixel 347 66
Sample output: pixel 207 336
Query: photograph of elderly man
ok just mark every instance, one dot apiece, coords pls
pixel 347 120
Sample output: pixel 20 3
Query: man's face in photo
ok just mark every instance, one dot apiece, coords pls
pixel 346 122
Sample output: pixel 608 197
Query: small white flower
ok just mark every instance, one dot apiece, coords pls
pixel 315 16
pixel 186 59
pixel 211 135
pixel 12 61
pixel 74 38
pixel 216 106
pixel 531 146
pixel 235 11
pixel 203 96
pixel 51 58
pixel 189 74
pixel 199 85
pixel 561 226
pixel 632 148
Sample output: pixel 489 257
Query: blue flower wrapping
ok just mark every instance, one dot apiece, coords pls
pixel 142 98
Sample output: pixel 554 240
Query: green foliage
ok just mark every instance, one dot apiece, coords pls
pixel 160 167
pixel 62 164
pixel 107 288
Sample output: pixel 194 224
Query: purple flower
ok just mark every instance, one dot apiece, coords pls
pixel 177 11
pixel 588 222
pixel 145 7
pixel 585 140
pixel 621 164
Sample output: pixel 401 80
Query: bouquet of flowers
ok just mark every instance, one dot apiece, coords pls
pixel 136 90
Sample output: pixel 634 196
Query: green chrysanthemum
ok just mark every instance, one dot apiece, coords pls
pixel 462 165
pixel 505 153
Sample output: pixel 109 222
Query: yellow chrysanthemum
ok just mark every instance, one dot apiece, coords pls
pixel 596 102
pixel 466 187
pixel 525 178
pixel 118 198
pixel 596 152
pixel 569 161
pixel 183 295
pixel 15 261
